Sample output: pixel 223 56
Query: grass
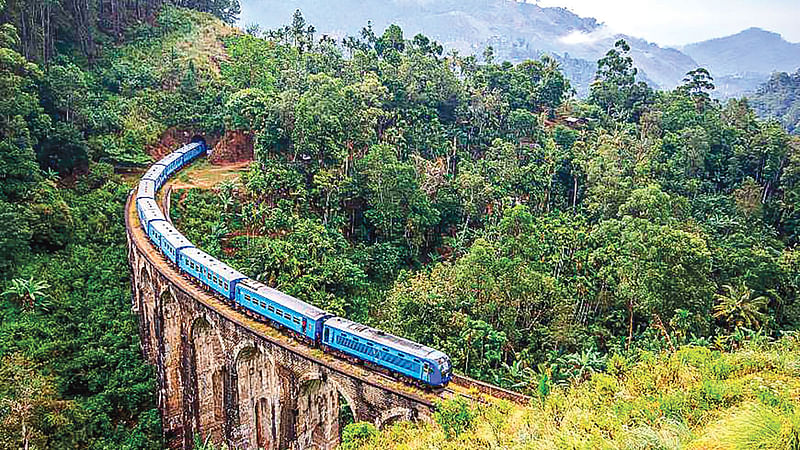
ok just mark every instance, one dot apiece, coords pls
pixel 204 175
pixel 694 398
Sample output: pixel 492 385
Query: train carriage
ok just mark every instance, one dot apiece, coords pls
pixel 395 353
pixel 148 212
pixel 294 314
pixel 172 163
pixel 194 150
pixel 213 273
pixel 146 190
pixel 191 151
pixel 171 241
pixel 155 174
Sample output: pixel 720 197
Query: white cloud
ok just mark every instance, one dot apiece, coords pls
pixel 578 37
pixel 676 22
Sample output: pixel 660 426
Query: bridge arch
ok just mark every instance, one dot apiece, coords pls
pixel 394 415
pixel 209 373
pixel 252 368
pixel 145 299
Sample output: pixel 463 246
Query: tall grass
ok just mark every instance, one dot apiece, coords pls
pixel 694 398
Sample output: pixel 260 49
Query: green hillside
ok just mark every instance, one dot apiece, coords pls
pixel 629 260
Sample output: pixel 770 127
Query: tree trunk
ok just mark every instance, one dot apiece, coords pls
pixel 630 324
pixel 574 191
pixel 25 443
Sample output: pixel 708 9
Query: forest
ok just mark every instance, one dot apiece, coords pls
pixel 549 244
pixel 778 98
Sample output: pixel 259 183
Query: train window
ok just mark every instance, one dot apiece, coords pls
pixel 247 297
pixel 271 309
pixel 296 320
pixel 385 349
pixel 263 305
pixel 401 355
pixel 370 344
pixel 416 360
pixel 225 286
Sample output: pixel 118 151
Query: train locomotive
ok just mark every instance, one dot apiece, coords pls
pixel 409 360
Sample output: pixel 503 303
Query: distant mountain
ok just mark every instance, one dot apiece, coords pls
pixel 779 98
pixel 753 51
pixel 518 31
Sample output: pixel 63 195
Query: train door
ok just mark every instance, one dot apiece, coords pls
pixel 426 372
pixel 326 335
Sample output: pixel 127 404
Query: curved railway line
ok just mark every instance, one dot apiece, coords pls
pixel 459 386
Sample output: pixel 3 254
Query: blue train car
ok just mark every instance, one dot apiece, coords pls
pixel 172 163
pixel 170 240
pixel 286 310
pixel 193 150
pixel 148 212
pixel 210 271
pixel 155 174
pixel 147 189
pixel 400 355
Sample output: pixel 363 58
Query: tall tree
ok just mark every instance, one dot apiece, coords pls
pixel 615 88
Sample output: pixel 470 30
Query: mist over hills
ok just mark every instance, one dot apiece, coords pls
pixel 519 31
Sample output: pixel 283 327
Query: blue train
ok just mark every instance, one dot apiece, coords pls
pixel 415 362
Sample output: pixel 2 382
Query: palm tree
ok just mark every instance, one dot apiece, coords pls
pixel 740 307
pixel 27 291
pixel 584 364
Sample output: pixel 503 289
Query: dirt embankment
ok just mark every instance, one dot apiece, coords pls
pixel 233 147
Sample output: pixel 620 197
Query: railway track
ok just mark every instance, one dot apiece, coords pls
pixel 489 389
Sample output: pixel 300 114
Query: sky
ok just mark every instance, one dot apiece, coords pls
pixel 678 22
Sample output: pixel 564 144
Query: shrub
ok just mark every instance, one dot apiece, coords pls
pixel 357 434
pixel 454 415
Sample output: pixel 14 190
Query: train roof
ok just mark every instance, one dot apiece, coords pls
pixel 285 300
pixel 154 171
pixel 187 148
pixel 147 189
pixel 171 158
pixel 227 272
pixel 172 236
pixel 150 210
pixel 381 337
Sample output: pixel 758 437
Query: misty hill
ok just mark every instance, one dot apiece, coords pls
pixel 519 31
pixel 752 51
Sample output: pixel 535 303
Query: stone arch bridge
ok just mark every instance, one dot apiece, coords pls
pixel 225 376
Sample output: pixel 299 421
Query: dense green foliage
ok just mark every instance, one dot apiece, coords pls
pixel 479 209
pixel 779 98
pixel 474 207
pixel 73 375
